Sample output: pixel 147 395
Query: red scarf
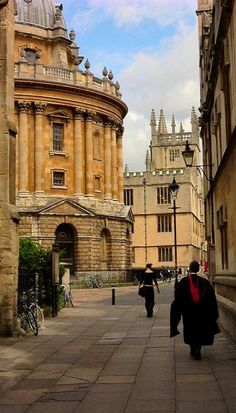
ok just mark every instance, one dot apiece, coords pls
pixel 194 290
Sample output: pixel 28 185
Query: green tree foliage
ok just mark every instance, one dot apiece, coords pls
pixel 34 258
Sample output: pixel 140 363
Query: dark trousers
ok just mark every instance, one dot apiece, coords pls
pixel 149 300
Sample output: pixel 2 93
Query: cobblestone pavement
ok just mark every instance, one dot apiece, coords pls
pixel 103 358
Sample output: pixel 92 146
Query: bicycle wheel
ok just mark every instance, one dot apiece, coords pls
pixel 32 322
pixel 38 314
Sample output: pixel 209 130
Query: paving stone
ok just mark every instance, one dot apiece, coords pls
pixel 103 403
pixel 13 408
pixel 202 406
pixel 58 407
pixel 116 379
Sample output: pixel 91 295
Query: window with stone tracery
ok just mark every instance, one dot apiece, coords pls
pixel 174 155
pixel 164 254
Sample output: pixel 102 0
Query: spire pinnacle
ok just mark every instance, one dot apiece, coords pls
pixel 162 123
pixel 153 118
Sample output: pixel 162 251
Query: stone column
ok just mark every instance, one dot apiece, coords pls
pixel 114 168
pixel 23 148
pixel 107 160
pixel 89 154
pixel 78 152
pixel 120 166
pixel 39 149
pixel 9 218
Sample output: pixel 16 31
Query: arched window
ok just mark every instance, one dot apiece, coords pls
pixel 105 256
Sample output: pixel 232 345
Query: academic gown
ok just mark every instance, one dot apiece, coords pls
pixel 199 320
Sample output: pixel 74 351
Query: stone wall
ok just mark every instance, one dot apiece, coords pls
pixel 8 215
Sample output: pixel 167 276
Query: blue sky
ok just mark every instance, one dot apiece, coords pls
pixel 151 46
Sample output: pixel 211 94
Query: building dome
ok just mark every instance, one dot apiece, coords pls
pixel 41 13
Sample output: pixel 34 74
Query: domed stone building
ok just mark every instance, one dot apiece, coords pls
pixel 69 167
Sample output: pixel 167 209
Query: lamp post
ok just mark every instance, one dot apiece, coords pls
pixel 173 188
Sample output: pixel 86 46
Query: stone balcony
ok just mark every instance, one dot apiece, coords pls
pixel 76 77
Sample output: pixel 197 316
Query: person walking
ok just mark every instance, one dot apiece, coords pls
pixel 195 301
pixel 148 280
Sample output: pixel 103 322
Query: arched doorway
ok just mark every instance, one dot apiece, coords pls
pixel 65 240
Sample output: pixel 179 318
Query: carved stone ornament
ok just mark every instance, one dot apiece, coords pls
pixel 39 107
pixel 3 2
pixel 23 106
pixel 79 113
pixel 28 1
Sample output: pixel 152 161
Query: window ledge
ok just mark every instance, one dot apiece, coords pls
pixel 58 153
pixel 59 187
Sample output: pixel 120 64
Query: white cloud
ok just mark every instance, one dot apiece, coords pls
pixel 168 81
pixel 132 12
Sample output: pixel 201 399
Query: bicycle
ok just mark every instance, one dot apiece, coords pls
pixel 66 295
pixel 26 315
pixel 35 308
pixel 92 282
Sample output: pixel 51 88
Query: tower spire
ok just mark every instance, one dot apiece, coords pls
pixel 162 129
pixel 173 124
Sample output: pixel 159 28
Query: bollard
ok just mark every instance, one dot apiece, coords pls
pixel 113 295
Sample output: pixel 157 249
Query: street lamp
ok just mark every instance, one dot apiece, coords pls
pixel 188 154
pixel 173 188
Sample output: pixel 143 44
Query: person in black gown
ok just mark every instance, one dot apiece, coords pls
pixel 195 301
pixel 148 280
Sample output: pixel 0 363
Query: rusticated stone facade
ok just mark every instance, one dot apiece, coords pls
pixel 8 214
pixel 69 147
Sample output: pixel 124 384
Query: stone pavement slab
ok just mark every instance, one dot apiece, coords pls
pixel 101 358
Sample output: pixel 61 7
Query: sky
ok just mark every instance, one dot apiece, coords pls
pixel 151 47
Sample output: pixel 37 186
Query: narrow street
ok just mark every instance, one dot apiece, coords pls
pixel 98 357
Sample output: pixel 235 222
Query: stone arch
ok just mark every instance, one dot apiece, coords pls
pixel 65 237
pixel 106 254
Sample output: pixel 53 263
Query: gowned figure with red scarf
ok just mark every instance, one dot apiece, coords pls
pixel 195 301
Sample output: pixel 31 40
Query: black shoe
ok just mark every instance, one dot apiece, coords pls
pixel 197 355
pixel 195 352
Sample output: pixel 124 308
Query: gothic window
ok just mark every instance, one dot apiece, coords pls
pixel 164 254
pixel 163 195
pixel 174 155
pixel 128 197
pixel 58 132
pixel 58 178
pixel 164 223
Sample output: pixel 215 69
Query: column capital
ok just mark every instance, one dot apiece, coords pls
pixel 120 131
pixel 23 106
pixel 90 115
pixel 79 113
pixel 39 107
